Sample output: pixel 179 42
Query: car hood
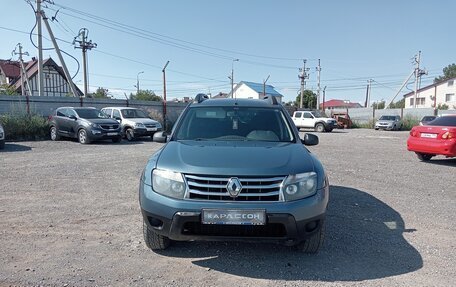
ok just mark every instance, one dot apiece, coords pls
pixel 236 158
pixel 102 121
pixel 141 120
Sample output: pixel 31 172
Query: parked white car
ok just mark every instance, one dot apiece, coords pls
pixel 314 120
pixel 134 122
pixel 2 137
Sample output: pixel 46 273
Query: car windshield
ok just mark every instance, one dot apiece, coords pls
pixel 318 114
pixel 387 118
pixel 234 123
pixel 444 121
pixel 90 114
pixel 428 119
pixel 133 113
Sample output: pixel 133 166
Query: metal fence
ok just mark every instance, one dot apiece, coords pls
pixel 46 105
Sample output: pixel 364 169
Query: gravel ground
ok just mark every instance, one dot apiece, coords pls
pixel 70 217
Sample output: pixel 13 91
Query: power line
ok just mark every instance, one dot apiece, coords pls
pixel 171 38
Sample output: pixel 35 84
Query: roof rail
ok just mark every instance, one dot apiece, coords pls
pixel 271 99
pixel 201 97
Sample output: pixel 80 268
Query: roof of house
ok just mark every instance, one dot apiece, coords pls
pixel 258 87
pixel 430 86
pixel 340 103
pixel 11 69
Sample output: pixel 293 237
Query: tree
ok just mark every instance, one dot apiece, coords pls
pixel 309 100
pixel 448 73
pixel 379 105
pixel 8 90
pixel 398 105
pixel 101 93
pixel 146 95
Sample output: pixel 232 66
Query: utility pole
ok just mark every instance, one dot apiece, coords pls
pixel 303 76
pixel 164 95
pixel 324 95
pixel 137 82
pixel 318 84
pixel 417 76
pixel 232 77
pixel 40 49
pixel 84 45
pixel 368 93
pixel 264 86
pixel 25 90
pixel 59 54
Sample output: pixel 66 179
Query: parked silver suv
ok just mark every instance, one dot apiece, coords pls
pixel 234 169
pixel 135 122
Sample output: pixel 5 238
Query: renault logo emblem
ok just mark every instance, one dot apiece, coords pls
pixel 234 187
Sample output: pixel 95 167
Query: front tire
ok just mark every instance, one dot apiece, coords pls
pixel 129 134
pixel 83 137
pixel 319 128
pixel 54 134
pixel 424 156
pixel 313 244
pixel 153 240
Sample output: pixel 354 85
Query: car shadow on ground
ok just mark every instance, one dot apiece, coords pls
pixel 443 161
pixel 364 241
pixel 12 147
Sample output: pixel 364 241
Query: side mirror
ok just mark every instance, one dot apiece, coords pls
pixel 310 139
pixel 160 137
pixel 118 119
pixel 73 117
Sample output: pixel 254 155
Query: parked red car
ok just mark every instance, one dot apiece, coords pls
pixel 438 137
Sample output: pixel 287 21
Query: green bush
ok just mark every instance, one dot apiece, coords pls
pixel 408 122
pixel 369 125
pixel 24 127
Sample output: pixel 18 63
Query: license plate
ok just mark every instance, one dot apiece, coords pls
pixel 234 216
pixel 112 134
pixel 430 136
pixel 151 129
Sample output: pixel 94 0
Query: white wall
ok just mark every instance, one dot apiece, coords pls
pixel 428 95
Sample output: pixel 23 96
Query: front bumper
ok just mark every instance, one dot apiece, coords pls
pixel 139 132
pixel 102 135
pixel 286 222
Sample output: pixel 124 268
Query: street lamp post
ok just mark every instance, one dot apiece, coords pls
pixel 137 82
pixel 164 95
pixel 232 76
pixel 264 86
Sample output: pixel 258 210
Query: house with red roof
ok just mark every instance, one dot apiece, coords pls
pixel 55 82
pixel 339 104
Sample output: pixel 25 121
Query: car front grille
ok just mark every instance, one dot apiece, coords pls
pixel 109 127
pixel 151 125
pixel 269 230
pixel 214 188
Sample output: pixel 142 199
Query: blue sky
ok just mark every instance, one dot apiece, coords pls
pixel 355 40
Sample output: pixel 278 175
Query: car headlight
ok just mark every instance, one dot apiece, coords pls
pixel 300 186
pixel 139 125
pixel 97 126
pixel 168 183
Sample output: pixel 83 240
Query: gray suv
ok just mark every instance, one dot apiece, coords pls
pixel 234 169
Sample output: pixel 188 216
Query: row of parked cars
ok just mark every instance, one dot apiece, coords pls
pixel 111 123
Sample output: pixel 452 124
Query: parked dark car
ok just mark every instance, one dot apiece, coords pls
pixel 234 169
pixel 427 119
pixel 2 137
pixel 85 124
